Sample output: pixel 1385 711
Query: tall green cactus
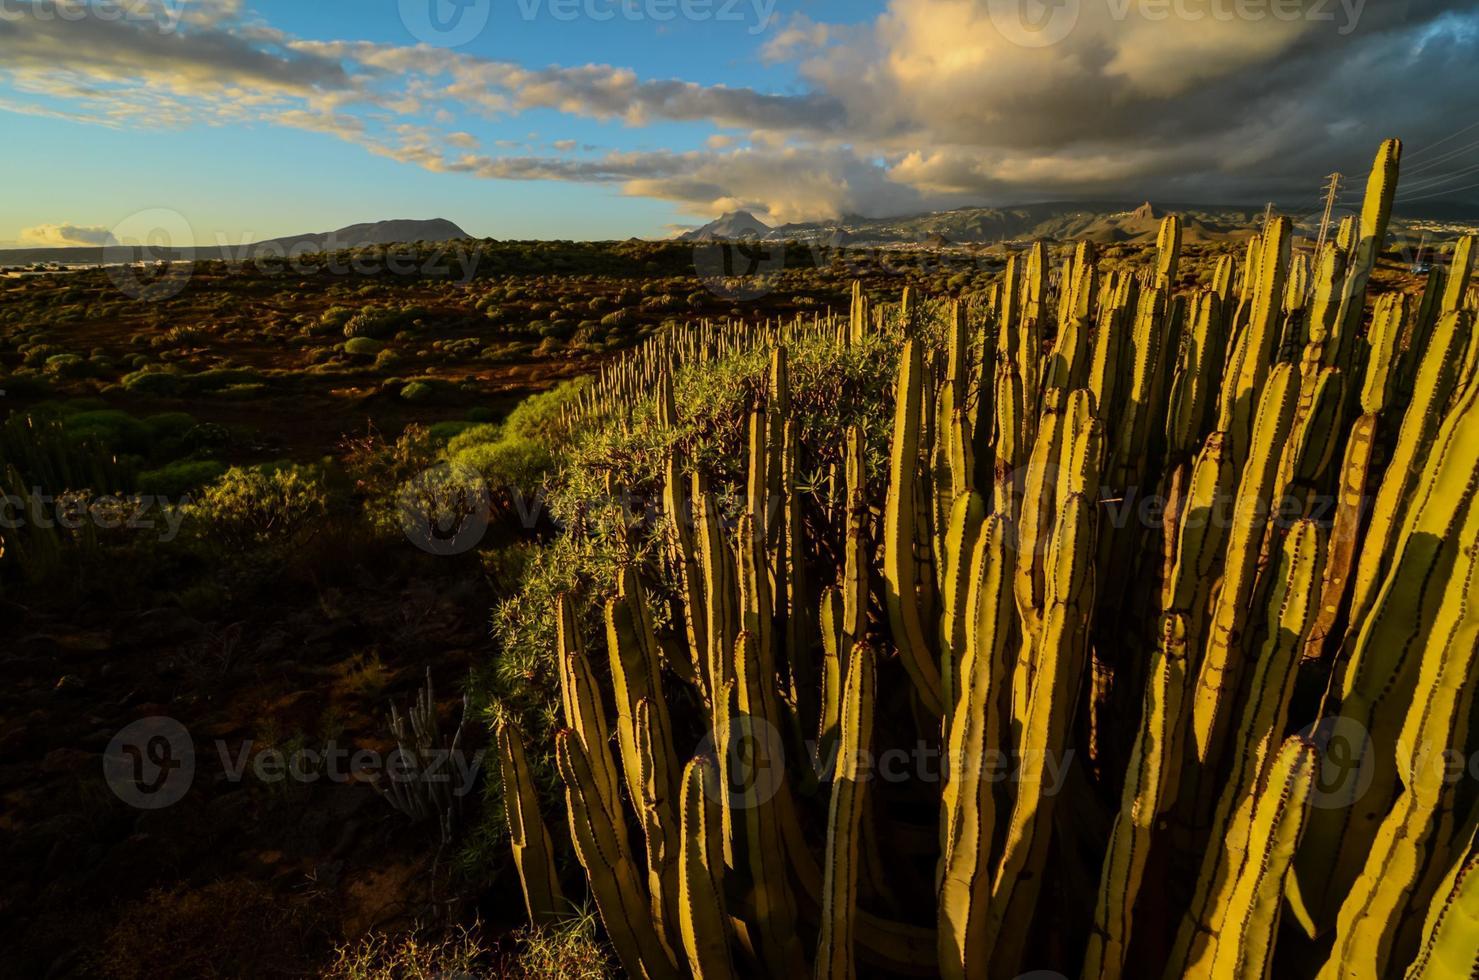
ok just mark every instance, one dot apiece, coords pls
pixel 900 570
pixel 1410 848
pixel 844 821
pixel 610 869
pixel 975 735
pixel 702 917
pixel 1045 734
pixel 1150 788
pixel 1291 609
pixel 534 855
pixel 1257 899
pixel 1448 951
pixel 1378 677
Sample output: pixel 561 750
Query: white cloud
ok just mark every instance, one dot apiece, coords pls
pixel 64 234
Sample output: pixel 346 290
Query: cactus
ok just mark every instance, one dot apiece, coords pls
pixel 1150 787
pixel 528 836
pixel 966 518
pixel 1291 608
pixel 975 734
pixel 756 729
pixel 585 716
pixel 1221 664
pixel 1045 732
pixel 610 869
pixel 704 923
pixel 900 531
pixel 844 820
pixel 1410 845
pixel 1448 951
pixel 1380 673
pixel 1179 654
pixel 1257 899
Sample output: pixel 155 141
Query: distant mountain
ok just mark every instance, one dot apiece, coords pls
pixel 734 226
pixel 1103 222
pixel 1099 221
pixel 371 233
pixel 354 236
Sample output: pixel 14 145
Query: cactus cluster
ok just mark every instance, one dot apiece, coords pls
pixel 1209 743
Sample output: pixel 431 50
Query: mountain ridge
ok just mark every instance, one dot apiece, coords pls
pixel 392 231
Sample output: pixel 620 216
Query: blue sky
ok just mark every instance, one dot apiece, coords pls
pixel 610 118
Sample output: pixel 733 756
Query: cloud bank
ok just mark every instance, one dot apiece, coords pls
pixel 935 103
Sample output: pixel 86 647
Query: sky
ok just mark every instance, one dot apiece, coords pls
pixel 240 120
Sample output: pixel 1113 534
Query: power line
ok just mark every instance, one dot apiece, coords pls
pixel 1432 183
pixel 1438 160
pixel 1451 136
pixel 1442 193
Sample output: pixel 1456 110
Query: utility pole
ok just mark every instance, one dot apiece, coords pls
pixel 1332 191
pixel 1268 216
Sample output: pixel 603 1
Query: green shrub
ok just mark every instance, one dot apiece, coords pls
pixel 376 323
pixel 179 478
pixel 109 429
pixel 363 346
pixel 418 391
pixel 259 509
pixel 66 365
pixel 152 382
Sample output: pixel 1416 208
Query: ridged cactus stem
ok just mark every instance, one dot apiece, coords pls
pixel 1150 787
pixel 1436 381
pixel 1291 608
pixel 716 562
pixel 844 820
pixel 1221 666
pixel 1448 951
pixel 610 869
pixel 1376 211
pixel 1411 847
pixel 1377 680
pixel 702 917
pixel 1257 900
pixel 1168 251
pixel 966 517
pixel 975 735
pixel 900 569
pixel 755 736
pixel 533 850
pixel 1243 384
pixel 585 715
pixel 1345 534
pixel 684 559
pixel 1045 736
